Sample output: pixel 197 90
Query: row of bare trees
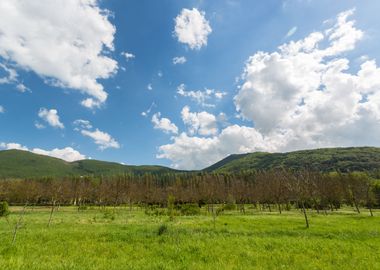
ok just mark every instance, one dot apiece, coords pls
pixel 279 188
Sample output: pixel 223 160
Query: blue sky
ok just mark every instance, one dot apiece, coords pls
pixel 245 109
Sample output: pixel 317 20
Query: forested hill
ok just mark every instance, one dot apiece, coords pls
pixel 324 160
pixel 23 164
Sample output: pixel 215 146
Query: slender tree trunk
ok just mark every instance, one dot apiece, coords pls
pixel 356 207
pixel 18 224
pixel 370 210
pixel 279 208
pixel 270 209
pixel 51 213
pixel 305 215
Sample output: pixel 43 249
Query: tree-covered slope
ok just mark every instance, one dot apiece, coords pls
pixel 21 164
pixel 327 159
pixel 17 163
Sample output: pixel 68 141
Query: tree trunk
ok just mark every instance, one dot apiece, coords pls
pixel 279 208
pixel 18 224
pixel 356 207
pixel 305 215
pixel 51 213
pixel 370 210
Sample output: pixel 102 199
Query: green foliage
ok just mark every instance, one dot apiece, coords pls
pixel 229 206
pixel 23 164
pixel 324 160
pixel 109 214
pixel 4 209
pixel 162 229
pixel 155 210
pixel 190 209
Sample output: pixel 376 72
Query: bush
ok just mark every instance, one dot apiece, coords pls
pixel 153 210
pixel 4 209
pixel 190 209
pixel 82 207
pixel 162 229
pixel 109 215
pixel 230 206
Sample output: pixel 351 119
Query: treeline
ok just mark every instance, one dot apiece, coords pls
pixel 279 189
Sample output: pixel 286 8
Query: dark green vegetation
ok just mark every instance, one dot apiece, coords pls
pixel 23 164
pixel 117 238
pixel 323 160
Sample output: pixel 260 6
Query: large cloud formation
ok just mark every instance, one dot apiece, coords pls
pixel 65 43
pixel 192 28
pixel 69 154
pixel 301 96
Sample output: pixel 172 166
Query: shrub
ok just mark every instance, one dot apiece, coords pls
pixel 230 206
pixel 153 210
pixel 82 207
pixel 109 215
pixel 190 209
pixel 162 229
pixel 4 209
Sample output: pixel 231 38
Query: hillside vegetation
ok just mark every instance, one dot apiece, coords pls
pixel 23 164
pixel 324 160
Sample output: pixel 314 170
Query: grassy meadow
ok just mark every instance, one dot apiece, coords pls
pixel 117 238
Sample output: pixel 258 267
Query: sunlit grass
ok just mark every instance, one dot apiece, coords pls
pixel 120 239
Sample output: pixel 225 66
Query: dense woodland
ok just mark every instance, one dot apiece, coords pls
pixel 278 189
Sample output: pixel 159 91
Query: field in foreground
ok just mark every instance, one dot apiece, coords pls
pixel 120 239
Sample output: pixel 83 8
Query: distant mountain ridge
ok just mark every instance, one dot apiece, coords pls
pixel 23 164
pixel 324 160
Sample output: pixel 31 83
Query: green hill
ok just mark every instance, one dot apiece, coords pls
pixel 20 164
pixel 325 160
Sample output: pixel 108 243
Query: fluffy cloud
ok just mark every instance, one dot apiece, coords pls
pixel 51 117
pixel 2 110
pixel 192 152
pixel 192 28
pixel 101 138
pixel 304 95
pixel 69 154
pixel 128 55
pixel 179 60
pixel 201 97
pixel 10 75
pixel 164 124
pixel 55 47
pixel 202 123
pixel 84 124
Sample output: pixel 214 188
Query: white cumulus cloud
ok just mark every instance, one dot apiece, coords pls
pixel 62 41
pixel 51 117
pixel 103 139
pixel 2 110
pixel 163 124
pixel 201 97
pixel 178 60
pixel 68 154
pixel 192 28
pixel 128 55
pixel 304 95
pixel 202 123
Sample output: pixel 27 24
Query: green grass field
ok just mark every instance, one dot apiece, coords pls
pixel 120 239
